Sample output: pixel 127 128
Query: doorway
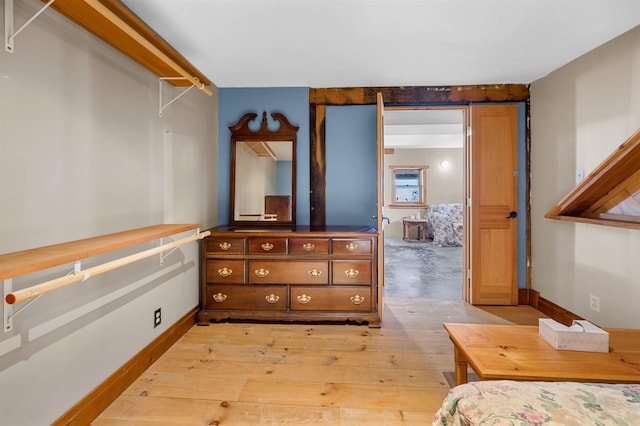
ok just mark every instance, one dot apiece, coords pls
pixel 421 261
pixel 497 240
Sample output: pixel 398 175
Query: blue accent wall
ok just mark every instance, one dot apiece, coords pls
pixel 293 102
pixel 351 177
pixel 350 157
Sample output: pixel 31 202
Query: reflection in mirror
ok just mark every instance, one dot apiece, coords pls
pixel 263 171
pixel 263 184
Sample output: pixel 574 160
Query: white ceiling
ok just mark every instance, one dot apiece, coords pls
pixel 411 129
pixel 355 43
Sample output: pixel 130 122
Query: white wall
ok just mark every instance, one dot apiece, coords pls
pixel 443 185
pixel 84 153
pixel 580 114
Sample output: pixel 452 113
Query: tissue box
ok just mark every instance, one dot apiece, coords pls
pixel 581 336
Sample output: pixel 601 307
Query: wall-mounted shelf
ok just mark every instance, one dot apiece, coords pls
pixel 27 261
pixel 610 195
pixel 119 27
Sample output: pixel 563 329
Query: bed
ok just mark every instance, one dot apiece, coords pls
pixel 444 224
pixel 540 403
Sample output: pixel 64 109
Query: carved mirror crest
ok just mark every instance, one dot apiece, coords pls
pixel 263 172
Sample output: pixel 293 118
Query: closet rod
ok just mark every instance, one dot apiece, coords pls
pixel 100 8
pixel 51 285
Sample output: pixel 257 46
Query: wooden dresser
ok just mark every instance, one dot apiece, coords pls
pixel 293 274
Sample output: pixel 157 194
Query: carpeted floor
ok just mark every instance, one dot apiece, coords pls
pixel 422 270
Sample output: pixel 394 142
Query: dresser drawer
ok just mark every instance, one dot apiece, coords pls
pixel 224 245
pixel 309 246
pixel 330 298
pixel 346 247
pixel 288 272
pixel 351 272
pixel 267 245
pixel 252 297
pixel 223 271
pixel 282 274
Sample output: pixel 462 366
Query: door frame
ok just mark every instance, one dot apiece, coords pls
pixel 320 98
pixel 380 218
pixel 465 179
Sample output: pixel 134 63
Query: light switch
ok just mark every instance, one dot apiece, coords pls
pixel 579 175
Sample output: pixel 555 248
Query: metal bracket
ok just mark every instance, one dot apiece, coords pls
pixel 8 309
pixel 163 107
pixel 9 34
pixel 7 286
pixel 9 314
pixel 163 256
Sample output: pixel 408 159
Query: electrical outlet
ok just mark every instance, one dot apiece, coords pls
pixel 594 303
pixel 157 317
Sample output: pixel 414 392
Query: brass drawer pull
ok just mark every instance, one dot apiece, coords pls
pixel 315 272
pixel 304 299
pixel 272 298
pixel 219 297
pixel 351 247
pixel 261 273
pixel 224 246
pixel 309 246
pixel 224 272
pixel 357 299
pixel 351 273
pixel 267 246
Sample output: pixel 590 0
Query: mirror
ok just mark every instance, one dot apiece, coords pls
pixel 263 172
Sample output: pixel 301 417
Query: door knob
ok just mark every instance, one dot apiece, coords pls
pixel 512 215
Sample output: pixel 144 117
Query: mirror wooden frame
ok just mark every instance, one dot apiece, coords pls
pixel 240 132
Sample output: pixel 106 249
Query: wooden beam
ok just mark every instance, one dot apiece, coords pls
pixel 320 98
pixel 414 95
pixel 318 165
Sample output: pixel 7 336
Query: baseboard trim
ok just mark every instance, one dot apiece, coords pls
pixel 523 296
pixel 532 297
pixel 87 409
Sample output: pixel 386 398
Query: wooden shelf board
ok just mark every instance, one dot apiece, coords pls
pixel 32 260
pixel 611 188
pixel 88 18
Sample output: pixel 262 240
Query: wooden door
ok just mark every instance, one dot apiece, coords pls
pixel 380 206
pixel 493 248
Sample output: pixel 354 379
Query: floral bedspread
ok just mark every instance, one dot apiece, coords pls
pixel 540 403
pixel 444 224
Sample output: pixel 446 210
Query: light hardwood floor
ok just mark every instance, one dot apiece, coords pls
pixel 307 374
